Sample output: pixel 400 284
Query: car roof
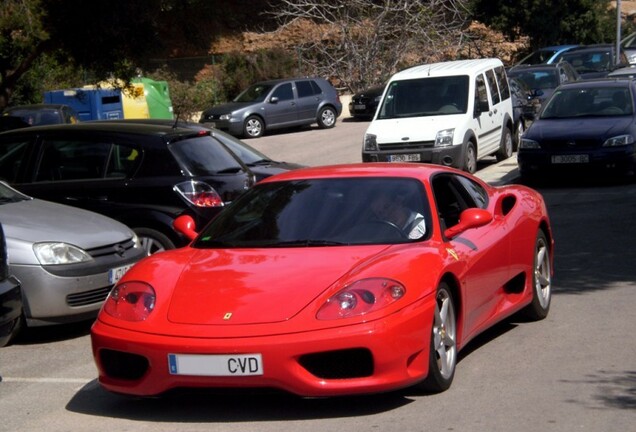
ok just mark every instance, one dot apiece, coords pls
pixel 540 66
pixel 600 82
pixel 455 67
pixel 36 107
pixel 281 80
pixel 588 48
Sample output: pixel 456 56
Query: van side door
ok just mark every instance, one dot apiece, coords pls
pixel 486 129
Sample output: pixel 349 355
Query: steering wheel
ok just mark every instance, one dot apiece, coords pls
pixel 393 226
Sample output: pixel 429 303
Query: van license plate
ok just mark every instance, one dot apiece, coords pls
pixel 569 159
pixel 405 158
pixel 216 365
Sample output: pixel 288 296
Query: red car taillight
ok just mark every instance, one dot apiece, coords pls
pixel 361 297
pixel 130 301
pixel 199 194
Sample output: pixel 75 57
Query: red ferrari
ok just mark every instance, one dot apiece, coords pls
pixel 327 281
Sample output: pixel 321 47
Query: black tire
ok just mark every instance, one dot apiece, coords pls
pixel 16 327
pixel 506 147
pixel 443 345
pixel 327 117
pixel 253 127
pixel 470 158
pixel 519 130
pixel 153 241
pixel 541 280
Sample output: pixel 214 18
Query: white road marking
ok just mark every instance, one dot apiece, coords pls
pixel 46 380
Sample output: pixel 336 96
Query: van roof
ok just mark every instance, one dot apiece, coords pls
pixel 456 67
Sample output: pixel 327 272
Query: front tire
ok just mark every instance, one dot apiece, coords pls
pixel 253 127
pixel 470 158
pixel 153 241
pixel 326 118
pixel 443 346
pixel 541 281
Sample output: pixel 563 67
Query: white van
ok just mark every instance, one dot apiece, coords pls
pixel 451 113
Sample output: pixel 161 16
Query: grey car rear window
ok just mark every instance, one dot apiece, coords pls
pixel 203 156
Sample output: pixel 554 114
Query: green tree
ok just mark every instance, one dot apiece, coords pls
pixel 548 22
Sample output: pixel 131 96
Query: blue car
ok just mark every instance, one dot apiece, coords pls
pixel 586 126
pixel 549 55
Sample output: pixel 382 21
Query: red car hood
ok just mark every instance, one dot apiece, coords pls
pixel 240 286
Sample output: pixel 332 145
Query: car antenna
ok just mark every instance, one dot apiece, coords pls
pixel 176 121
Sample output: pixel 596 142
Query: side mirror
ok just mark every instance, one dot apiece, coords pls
pixel 273 99
pixel 185 225
pixel 481 106
pixel 470 218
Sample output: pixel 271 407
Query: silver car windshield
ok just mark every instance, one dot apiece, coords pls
pixel 425 97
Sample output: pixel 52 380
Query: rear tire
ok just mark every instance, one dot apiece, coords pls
pixel 506 147
pixel 327 118
pixel 443 345
pixel 541 281
pixel 153 241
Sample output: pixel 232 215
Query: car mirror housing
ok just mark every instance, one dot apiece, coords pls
pixel 469 218
pixel 273 99
pixel 185 225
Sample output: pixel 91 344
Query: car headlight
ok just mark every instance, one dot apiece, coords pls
pixel 444 138
pixel 528 144
pixel 631 58
pixel 370 142
pixel 131 301
pixel 136 241
pixel 361 297
pixel 225 116
pixel 617 141
pixel 59 253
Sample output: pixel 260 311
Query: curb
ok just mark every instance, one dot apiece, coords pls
pixel 501 173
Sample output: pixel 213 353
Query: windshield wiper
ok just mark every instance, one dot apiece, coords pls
pixel 307 242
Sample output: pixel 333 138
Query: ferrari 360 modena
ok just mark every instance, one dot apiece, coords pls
pixel 328 281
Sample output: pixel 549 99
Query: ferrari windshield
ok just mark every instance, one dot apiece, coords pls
pixel 425 97
pixel 322 212
pixel 589 102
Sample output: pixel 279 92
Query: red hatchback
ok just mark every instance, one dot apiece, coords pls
pixel 328 281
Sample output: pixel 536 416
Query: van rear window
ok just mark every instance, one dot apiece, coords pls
pixel 421 97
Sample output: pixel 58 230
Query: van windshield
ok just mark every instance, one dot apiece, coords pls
pixel 421 97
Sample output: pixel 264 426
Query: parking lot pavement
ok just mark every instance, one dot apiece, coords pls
pixel 500 173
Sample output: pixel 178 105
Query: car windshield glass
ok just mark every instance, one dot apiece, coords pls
pixel 35 117
pixel 255 93
pixel 425 97
pixel 539 56
pixel 203 156
pixel 248 154
pixel 591 102
pixel 537 79
pixel 322 212
pixel 596 61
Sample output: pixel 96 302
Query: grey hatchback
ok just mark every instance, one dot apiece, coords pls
pixel 276 104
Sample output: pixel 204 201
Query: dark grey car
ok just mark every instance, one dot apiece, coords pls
pixel 276 104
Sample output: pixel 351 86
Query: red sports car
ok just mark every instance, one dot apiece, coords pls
pixel 328 281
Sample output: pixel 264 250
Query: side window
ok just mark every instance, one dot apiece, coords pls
pixel 304 89
pixel 12 156
pixel 477 193
pixel 284 92
pixel 492 84
pixel 481 94
pixel 122 162
pixel 502 78
pixel 316 88
pixel 452 197
pixel 72 160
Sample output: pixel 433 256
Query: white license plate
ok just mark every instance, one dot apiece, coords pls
pixel 405 158
pixel 360 107
pixel 115 274
pixel 570 159
pixel 216 365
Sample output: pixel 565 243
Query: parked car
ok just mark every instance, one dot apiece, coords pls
pixel 586 126
pixel 364 104
pixel 66 259
pixel 8 122
pixel 449 113
pixel 277 104
pixel 623 72
pixel 594 61
pixel 143 175
pixel 10 297
pixel 628 44
pixel 542 80
pixel 545 55
pixel 43 114
pixel 329 281
pixel 523 108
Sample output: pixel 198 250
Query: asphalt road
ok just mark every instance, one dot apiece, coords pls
pixel 573 371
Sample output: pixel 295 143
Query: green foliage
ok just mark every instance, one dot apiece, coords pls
pixel 547 22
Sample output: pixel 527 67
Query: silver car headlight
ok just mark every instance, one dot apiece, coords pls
pixel 370 142
pixel 617 141
pixel 59 253
pixel 528 144
pixel 444 138
pixel 225 116
pixel 136 241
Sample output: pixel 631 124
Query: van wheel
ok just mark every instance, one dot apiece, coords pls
pixel 506 147
pixel 470 158
pixel 152 241
pixel 253 127
pixel 326 118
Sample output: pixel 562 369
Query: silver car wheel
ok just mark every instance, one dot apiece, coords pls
pixel 326 118
pixel 444 334
pixel 542 275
